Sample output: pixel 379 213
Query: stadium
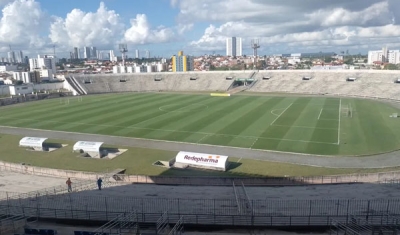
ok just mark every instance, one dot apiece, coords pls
pixel 323 144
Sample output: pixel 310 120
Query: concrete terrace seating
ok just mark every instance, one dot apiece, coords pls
pixel 205 81
pixel 368 83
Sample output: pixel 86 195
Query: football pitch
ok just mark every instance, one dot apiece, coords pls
pixel 314 125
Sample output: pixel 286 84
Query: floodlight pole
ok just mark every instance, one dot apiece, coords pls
pixel 255 45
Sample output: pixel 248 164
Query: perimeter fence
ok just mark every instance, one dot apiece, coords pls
pixel 202 211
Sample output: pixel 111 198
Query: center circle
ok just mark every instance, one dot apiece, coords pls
pixel 171 108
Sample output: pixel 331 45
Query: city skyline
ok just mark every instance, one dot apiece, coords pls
pixel 198 27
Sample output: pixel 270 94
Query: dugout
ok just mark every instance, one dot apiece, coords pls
pixel 202 160
pixel 33 143
pixel 89 149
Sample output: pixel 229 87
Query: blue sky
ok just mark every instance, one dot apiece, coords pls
pixel 199 26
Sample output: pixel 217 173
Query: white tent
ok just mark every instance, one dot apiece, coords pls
pixel 92 148
pixel 32 142
pixel 202 160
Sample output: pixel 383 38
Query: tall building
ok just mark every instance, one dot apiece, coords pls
pixel 11 57
pixel 86 53
pixel 43 63
pixel 234 46
pixel 20 57
pixel 76 53
pixel 147 54
pixel 113 58
pixel 384 56
pixel 93 53
pixel 182 63
pixel 137 54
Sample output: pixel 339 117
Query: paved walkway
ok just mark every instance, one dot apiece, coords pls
pixel 377 161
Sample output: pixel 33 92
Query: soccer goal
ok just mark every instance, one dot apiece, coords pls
pixel 347 110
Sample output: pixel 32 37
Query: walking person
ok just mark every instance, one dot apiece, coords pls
pixel 69 183
pixel 99 181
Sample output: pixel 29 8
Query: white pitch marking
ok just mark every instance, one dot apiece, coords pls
pixel 308 127
pixel 320 114
pixel 177 110
pixel 281 114
pixel 205 136
pixel 239 160
pixel 162 130
pixel 340 112
pixel 253 143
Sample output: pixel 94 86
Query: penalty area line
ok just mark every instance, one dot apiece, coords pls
pixel 320 114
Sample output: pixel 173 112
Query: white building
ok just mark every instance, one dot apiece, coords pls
pixel 115 69
pixel 137 54
pixel 11 57
pixel 22 76
pixel 46 74
pixel 93 53
pixel 86 52
pixel 8 68
pixel 43 63
pixel 21 90
pixel 130 69
pixel 113 58
pixel 122 69
pixel 384 56
pixel 234 46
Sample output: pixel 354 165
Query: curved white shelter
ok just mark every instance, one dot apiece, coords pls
pixel 35 143
pixel 91 148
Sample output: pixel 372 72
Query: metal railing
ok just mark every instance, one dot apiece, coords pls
pixel 204 211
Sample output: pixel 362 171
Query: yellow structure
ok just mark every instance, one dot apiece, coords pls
pixel 220 94
pixel 182 63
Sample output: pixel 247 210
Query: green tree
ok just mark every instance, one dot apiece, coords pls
pixel 391 67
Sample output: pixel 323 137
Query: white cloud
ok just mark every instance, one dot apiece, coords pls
pixel 78 29
pixel 22 23
pixel 140 32
pixel 305 25
pixel 378 13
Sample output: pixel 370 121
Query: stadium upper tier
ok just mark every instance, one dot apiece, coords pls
pixel 206 81
pixel 362 83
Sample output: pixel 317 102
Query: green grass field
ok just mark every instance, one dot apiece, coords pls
pixel 138 161
pixel 296 124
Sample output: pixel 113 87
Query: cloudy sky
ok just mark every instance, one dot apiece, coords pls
pixel 199 26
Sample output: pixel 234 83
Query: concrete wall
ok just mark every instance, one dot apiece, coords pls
pixel 382 177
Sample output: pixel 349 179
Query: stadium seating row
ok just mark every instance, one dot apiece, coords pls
pixel 363 83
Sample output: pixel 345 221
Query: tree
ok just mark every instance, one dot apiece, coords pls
pixel 390 67
pixel 349 61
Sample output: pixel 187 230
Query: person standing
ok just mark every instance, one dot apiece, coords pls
pixel 69 184
pixel 99 181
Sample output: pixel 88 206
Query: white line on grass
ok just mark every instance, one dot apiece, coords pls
pixel 205 136
pixel 340 112
pixel 320 114
pixel 163 130
pixel 327 119
pixel 253 143
pixel 308 127
pixel 281 114
pixel 239 160
pixel 177 110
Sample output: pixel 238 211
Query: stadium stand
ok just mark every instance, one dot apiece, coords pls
pixel 373 84
pixel 210 81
